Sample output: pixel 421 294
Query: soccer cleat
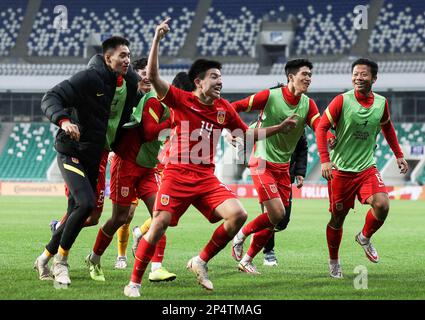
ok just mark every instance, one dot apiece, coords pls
pixel 60 272
pixel 121 262
pixel 161 274
pixel 52 225
pixel 248 267
pixel 95 270
pixel 237 249
pixel 136 241
pixel 335 270
pixel 270 259
pixel 132 290
pixel 369 249
pixel 42 270
pixel 201 272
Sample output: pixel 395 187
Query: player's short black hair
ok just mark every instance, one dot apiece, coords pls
pixel 372 65
pixel 200 67
pixel 292 66
pixel 140 64
pixel 113 42
pixel 182 81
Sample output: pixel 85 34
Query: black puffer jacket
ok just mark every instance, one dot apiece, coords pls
pixel 85 99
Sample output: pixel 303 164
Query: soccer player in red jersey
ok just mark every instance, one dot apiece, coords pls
pixel 198 118
pixel 134 175
pixel 358 115
pixel 270 161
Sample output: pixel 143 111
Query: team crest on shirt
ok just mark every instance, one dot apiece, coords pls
pixel 221 116
pixel 125 191
pixel 273 188
pixel 339 206
pixel 165 199
pixel 75 160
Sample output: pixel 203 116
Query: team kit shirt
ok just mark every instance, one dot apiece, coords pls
pixel 357 120
pixel 188 176
pixel 133 169
pixel 270 161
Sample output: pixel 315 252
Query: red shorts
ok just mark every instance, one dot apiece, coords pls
pixel 272 182
pixel 181 187
pixel 130 181
pixel 101 183
pixel 345 186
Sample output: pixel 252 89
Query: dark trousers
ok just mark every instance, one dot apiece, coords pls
pixel 280 226
pixel 81 181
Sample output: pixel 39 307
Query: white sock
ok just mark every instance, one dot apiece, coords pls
pixel 137 232
pixel 61 258
pixel 44 258
pixel 240 237
pixel 333 261
pixel 362 238
pixel 134 284
pixel 155 266
pixel 246 259
pixel 199 260
pixel 94 258
pixel 57 225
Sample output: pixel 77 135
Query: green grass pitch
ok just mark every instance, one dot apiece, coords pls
pixel 301 250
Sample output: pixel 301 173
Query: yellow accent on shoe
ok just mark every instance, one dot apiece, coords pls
pixel 161 274
pixel 95 270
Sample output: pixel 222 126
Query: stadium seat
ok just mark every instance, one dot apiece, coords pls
pixel 136 21
pixel 11 17
pixel 28 152
pixel 399 28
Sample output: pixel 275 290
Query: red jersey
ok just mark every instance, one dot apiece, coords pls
pixel 132 139
pixel 196 129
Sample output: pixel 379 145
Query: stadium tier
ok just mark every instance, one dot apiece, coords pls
pixel 11 17
pixel 134 20
pixel 399 28
pixel 28 152
pixel 323 27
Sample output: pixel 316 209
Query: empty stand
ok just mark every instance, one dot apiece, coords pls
pixel 11 17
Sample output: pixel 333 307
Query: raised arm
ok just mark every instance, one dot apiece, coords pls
pixel 160 85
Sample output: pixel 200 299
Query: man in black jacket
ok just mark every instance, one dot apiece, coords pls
pixel 297 169
pixel 84 109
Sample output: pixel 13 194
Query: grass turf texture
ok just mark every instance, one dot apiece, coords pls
pixel 301 251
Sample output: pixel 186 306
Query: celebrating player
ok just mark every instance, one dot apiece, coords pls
pixel 270 161
pixel 197 120
pixel 358 116
pixel 81 107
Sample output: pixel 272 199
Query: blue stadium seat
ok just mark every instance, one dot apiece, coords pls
pixel 11 17
pixel 134 20
pixel 399 28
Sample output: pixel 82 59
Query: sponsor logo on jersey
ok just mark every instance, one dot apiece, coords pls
pixel 125 191
pixel 221 116
pixel 165 199
pixel 273 188
pixel 75 160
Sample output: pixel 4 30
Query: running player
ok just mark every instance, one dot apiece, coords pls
pixel 358 115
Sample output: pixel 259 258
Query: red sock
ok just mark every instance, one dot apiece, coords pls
pixel 102 242
pixel 64 218
pixel 259 223
pixel 144 254
pixel 158 256
pixel 218 241
pixel 371 224
pixel 259 240
pixel 333 237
